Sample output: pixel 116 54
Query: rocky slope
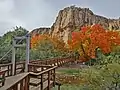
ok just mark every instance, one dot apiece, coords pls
pixel 72 18
pixel 40 31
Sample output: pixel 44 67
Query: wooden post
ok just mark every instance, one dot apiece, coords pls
pixel 11 69
pixel 15 87
pixel 49 80
pixel 13 56
pixel 41 82
pixel 27 52
pixel 21 85
pixel 42 68
pixel 8 71
pixel 26 87
pixel 54 77
pixel 58 87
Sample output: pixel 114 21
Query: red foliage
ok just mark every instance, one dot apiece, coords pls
pixel 89 39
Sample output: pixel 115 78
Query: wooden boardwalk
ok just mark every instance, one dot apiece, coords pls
pixel 10 81
pixel 41 75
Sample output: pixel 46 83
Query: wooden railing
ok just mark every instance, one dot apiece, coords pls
pixel 54 62
pixel 44 71
pixel 37 67
pixel 20 66
pixel 46 77
pixel 7 68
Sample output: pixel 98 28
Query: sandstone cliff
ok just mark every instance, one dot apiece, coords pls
pixel 72 18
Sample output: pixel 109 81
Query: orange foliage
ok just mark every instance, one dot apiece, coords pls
pixel 36 40
pixel 59 44
pixel 89 39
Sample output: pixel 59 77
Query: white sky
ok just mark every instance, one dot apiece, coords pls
pixel 32 14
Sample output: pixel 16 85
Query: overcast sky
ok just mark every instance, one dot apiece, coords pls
pixel 32 14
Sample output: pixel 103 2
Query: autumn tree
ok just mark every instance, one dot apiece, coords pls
pixel 37 39
pixel 90 38
pixel 47 46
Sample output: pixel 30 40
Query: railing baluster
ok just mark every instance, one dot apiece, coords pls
pixel 8 70
pixel 49 80
pixel 42 68
pixel 11 70
pixel 15 69
pixel 21 85
pixel 15 87
pixel 54 77
pixel 41 82
pixel 26 87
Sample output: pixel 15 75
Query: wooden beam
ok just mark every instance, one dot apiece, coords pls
pixel 13 57
pixel 19 45
pixel 27 52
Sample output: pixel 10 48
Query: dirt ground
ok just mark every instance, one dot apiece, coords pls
pixel 72 66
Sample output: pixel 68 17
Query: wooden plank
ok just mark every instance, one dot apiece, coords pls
pixel 12 80
pixel 37 67
pixel 41 87
pixel 48 80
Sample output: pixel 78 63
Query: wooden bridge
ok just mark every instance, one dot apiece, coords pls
pixel 40 75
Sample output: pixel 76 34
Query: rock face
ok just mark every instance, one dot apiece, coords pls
pixel 72 18
pixel 40 31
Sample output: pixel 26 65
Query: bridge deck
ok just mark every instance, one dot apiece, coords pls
pixel 12 80
pixel 21 81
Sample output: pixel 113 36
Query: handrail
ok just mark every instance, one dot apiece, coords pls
pixel 50 79
pixel 22 83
